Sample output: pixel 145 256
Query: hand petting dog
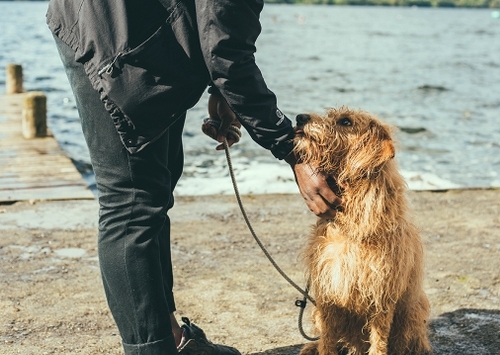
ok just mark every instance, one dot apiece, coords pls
pixel 222 123
pixel 314 188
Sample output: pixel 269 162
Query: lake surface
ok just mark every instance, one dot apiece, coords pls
pixel 433 73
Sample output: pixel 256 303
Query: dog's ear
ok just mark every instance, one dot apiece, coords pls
pixel 372 150
pixel 387 151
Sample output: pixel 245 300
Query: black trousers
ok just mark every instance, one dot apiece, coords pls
pixel 135 194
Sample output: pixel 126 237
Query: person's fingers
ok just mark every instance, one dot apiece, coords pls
pixel 319 205
pixel 322 208
pixel 222 125
pixel 317 194
pixel 229 130
pixel 329 196
pixel 222 131
pixel 231 138
pixel 228 119
pixel 233 135
pixel 210 127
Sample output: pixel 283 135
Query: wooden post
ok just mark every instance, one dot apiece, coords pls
pixel 34 118
pixel 14 79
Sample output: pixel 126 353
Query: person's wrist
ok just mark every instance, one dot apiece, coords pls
pixel 291 159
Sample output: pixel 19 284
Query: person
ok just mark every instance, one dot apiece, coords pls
pixel 135 68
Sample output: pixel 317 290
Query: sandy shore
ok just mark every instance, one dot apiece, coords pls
pixel 51 299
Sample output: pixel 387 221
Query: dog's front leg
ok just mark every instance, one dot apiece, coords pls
pixel 310 349
pixel 380 328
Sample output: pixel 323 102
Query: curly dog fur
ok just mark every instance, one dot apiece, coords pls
pixel 366 265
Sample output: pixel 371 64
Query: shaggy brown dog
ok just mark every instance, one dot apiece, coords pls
pixel 366 265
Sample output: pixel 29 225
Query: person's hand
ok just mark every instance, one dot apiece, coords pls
pixel 222 123
pixel 314 188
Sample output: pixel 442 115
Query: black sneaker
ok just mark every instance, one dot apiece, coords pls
pixel 195 342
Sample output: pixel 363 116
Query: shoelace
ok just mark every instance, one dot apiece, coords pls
pixel 183 339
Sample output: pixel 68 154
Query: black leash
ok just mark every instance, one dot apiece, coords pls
pixel 305 293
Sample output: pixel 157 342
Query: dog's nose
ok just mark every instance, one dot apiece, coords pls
pixel 302 119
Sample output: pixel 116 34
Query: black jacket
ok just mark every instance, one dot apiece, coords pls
pixel 151 60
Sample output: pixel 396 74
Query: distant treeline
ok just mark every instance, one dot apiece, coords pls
pixel 421 3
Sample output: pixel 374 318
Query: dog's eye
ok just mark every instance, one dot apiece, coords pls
pixel 344 121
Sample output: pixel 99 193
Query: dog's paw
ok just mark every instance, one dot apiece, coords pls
pixel 310 349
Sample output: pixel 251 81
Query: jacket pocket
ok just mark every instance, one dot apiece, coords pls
pixel 151 84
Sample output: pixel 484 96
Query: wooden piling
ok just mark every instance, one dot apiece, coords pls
pixel 34 115
pixel 14 79
pixel 33 169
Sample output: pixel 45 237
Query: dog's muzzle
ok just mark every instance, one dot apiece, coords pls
pixel 301 120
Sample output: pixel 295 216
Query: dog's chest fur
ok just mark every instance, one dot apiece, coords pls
pixel 363 264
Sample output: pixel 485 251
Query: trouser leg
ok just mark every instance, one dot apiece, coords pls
pixel 135 193
pixel 175 167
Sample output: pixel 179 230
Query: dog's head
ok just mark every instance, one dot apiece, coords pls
pixel 345 144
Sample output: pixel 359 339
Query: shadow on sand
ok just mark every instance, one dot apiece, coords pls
pixel 464 331
pixel 287 350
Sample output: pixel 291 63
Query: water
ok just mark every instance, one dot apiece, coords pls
pixel 433 73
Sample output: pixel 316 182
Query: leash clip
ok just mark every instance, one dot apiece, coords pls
pixel 301 303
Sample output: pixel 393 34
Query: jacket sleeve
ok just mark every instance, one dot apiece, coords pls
pixel 228 30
